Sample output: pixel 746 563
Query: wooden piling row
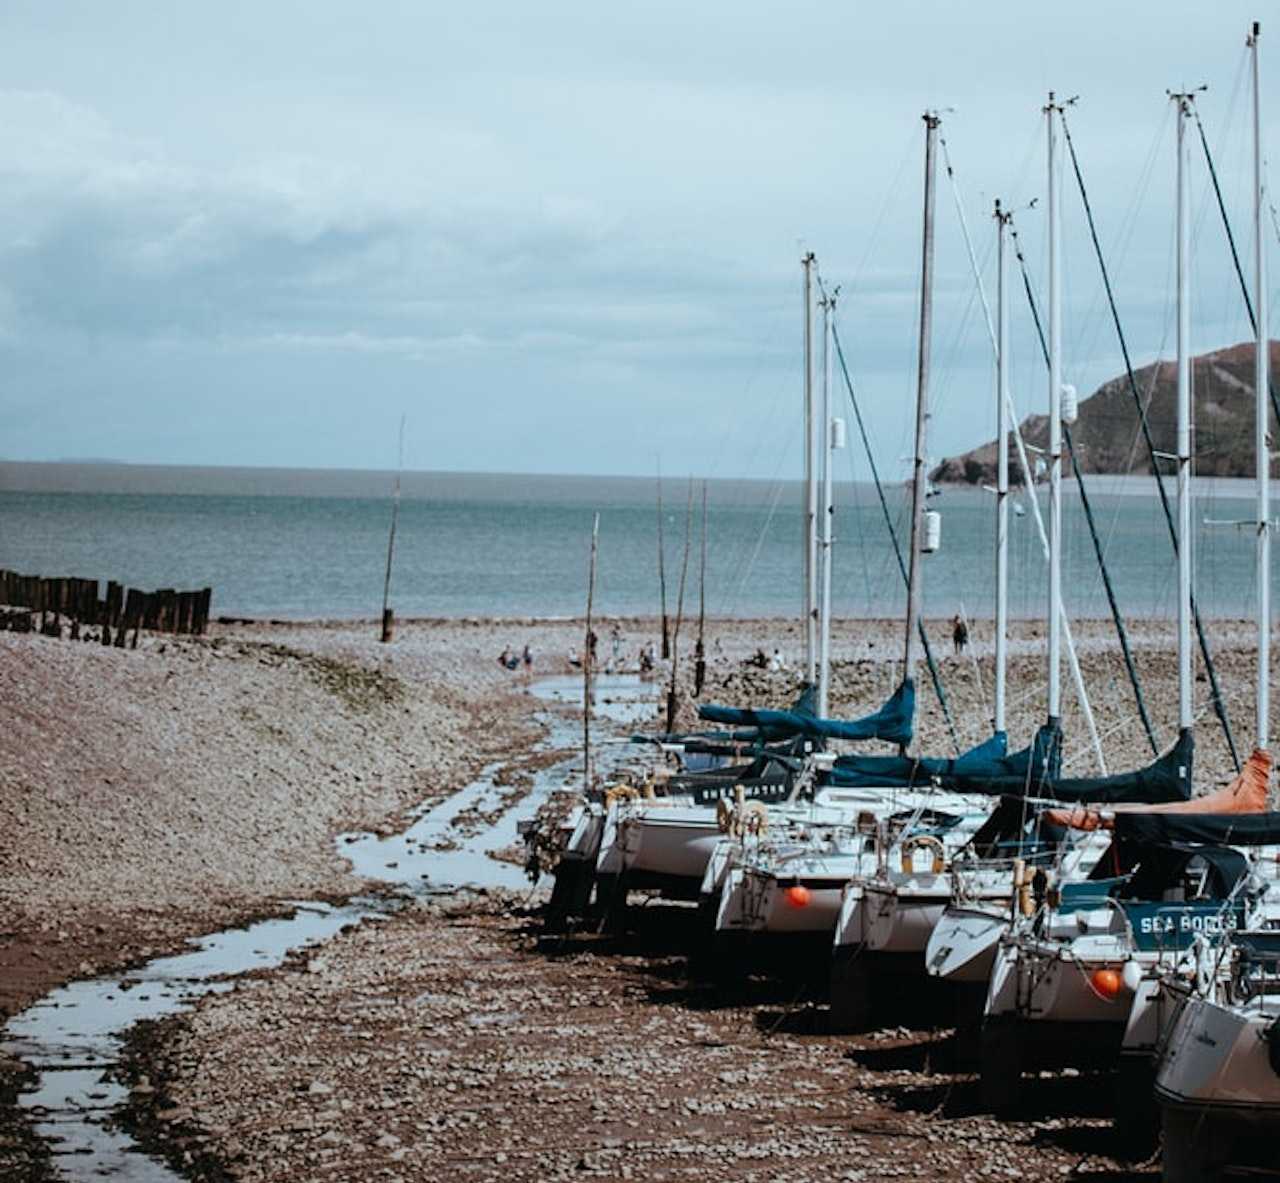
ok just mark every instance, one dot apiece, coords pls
pixel 48 601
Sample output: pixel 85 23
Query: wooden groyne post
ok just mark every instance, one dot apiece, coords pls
pixel 115 612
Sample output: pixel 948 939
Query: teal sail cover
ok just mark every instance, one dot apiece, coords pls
pixel 756 732
pixel 858 772
pixel 1034 772
pixel 892 722
pixel 988 768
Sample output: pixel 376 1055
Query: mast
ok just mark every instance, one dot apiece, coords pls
pixel 810 485
pixel 1055 427
pixel 1185 710
pixel 828 303
pixel 1261 367
pixel 1002 465
pixel 915 573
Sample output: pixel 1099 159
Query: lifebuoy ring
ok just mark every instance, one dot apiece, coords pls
pixel 619 793
pixel 738 820
pixel 927 842
pixel 755 818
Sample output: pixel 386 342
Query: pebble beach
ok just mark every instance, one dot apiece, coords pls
pixel 148 796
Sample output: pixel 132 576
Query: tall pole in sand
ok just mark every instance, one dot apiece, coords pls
pixel 391 541
pixel 1261 436
pixel 1002 464
pixel 810 486
pixel 915 570
pixel 588 659
pixel 662 574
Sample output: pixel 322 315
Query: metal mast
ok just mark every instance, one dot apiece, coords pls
pixel 1055 426
pixel 1002 465
pixel 1261 367
pixel 810 485
pixel 1185 710
pixel 915 572
pixel 828 302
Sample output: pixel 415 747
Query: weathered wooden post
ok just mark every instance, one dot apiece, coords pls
pixel 185 604
pixel 675 633
pixel 202 610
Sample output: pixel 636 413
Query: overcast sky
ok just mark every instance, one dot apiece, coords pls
pixel 566 237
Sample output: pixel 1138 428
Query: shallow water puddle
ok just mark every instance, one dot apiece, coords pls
pixel 73 1035
pixel 444 846
pixel 620 698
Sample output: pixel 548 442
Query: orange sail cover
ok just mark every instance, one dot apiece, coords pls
pixel 1246 794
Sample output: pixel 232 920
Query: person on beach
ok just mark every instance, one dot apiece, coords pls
pixel 959 634
pixel 527 658
pixel 775 663
pixel 504 658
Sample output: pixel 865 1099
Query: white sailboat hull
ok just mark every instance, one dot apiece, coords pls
pixel 962 946
pixel 901 920
pixel 1217 1058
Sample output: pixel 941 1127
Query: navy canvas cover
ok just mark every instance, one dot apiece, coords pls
pixel 1220 829
pixel 858 771
pixel 1165 779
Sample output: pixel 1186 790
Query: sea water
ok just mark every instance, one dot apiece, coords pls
pixel 295 544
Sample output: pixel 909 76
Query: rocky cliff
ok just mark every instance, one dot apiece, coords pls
pixel 1107 436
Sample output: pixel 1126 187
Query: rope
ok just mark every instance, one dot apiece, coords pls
pixel 1121 632
pixel 1215 690
pixel 893 537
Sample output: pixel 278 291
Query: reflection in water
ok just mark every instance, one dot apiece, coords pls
pixel 73 1035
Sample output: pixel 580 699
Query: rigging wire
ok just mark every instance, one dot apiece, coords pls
pixel 1218 704
pixel 1077 675
pixel 893 537
pixel 1121 632
pixel 1235 254
pixel 1092 324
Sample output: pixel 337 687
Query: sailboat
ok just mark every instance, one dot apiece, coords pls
pixel 665 842
pixel 1064 977
pixel 1217 1075
pixel 789 884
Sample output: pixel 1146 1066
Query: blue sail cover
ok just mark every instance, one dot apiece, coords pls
pixel 752 733
pixel 892 722
pixel 859 772
pixel 1026 772
pixel 1166 779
